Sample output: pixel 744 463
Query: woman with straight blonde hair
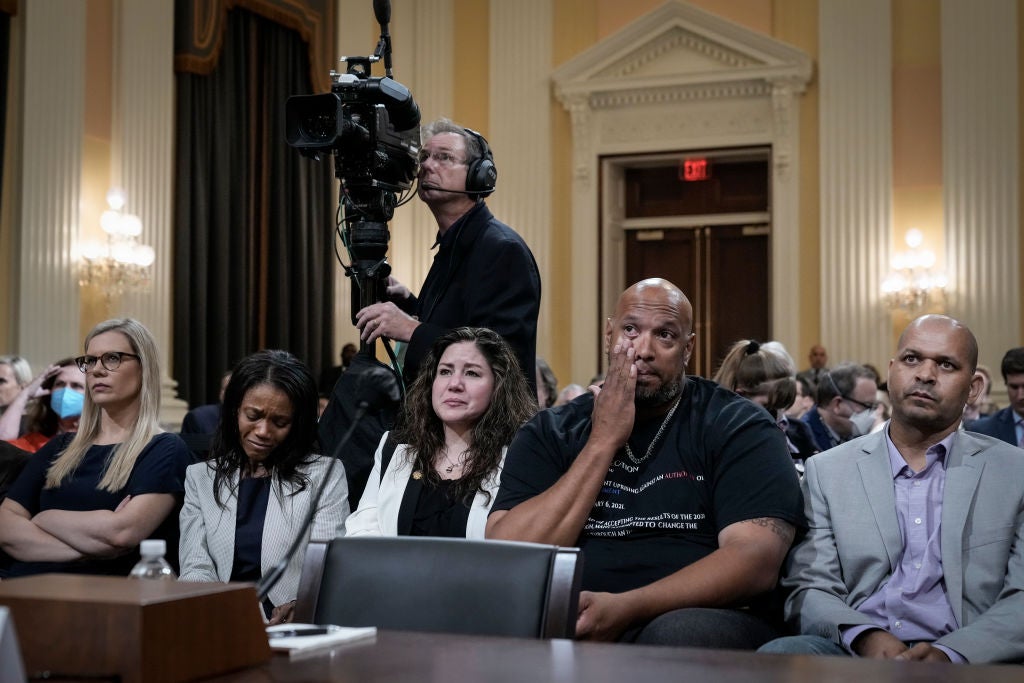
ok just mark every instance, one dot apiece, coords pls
pixel 85 501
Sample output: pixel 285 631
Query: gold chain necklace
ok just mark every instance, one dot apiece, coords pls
pixel 657 437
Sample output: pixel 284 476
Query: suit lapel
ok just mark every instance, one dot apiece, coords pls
pixel 876 476
pixel 963 472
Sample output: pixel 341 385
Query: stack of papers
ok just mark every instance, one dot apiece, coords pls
pixel 302 639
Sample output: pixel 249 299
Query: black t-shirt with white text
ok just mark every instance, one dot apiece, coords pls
pixel 721 459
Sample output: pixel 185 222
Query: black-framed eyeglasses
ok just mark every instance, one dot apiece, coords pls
pixel 862 404
pixel 111 360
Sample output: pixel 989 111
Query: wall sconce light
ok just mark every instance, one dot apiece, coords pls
pixel 122 263
pixel 913 283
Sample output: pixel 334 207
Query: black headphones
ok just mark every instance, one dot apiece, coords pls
pixel 482 174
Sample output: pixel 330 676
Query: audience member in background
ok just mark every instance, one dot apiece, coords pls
pixel 329 376
pixel 54 399
pixel 804 400
pixel 845 407
pixel 570 392
pixel 681 494
pixel 1007 424
pixel 883 411
pixel 915 549
pixel 818 358
pixel 245 505
pixel 986 406
pixel 200 423
pixel 85 501
pixel 15 373
pixel 764 374
pixel 547 385
pixel 442 477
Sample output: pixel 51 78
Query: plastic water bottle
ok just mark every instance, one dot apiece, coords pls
pixel 153 565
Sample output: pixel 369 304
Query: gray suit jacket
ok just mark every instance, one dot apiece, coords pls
pixel 207 545
pixel 853 543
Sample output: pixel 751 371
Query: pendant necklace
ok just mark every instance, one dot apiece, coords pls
pixel 452 465
pixel 657 436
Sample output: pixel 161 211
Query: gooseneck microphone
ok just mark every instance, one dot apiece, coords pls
pixel 376 389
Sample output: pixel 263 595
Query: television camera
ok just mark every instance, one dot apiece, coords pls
pixel 371 126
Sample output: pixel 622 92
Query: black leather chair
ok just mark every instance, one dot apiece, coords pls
pixel 447 585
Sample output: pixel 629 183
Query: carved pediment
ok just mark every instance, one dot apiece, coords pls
pixel 680 45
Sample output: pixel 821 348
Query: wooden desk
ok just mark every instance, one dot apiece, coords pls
pixel 397 657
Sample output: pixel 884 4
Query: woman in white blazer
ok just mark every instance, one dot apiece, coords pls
pixel 245 505
pixel 442 463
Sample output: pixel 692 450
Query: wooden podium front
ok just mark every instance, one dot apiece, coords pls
pixel 139 630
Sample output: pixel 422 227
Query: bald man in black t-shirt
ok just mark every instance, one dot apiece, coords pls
pixel 682 495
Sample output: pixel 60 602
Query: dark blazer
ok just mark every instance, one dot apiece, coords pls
pixel 998 425
pixel 800 435
pixel 197 429
pixel 485 276
pixel 821 433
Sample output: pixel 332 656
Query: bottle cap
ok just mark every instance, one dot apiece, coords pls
pixel 152 547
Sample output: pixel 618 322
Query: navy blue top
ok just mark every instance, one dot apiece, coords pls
pixel 253 496
pixel 437 513
pixel 159 468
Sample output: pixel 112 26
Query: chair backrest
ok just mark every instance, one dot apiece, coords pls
pixel 448 585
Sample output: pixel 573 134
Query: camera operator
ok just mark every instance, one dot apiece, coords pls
pixel 483 275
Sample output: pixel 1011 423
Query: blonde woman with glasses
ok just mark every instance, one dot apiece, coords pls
pixel 85 501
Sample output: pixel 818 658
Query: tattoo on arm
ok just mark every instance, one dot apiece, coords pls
pixel 781 529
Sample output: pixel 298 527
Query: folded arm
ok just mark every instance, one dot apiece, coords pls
pixel 24 540
pixel 104 533
pixel 746 564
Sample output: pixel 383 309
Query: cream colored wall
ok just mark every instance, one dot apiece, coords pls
pixel 579 25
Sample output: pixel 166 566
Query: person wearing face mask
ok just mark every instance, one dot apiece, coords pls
pixel 845 406
pixel 54 401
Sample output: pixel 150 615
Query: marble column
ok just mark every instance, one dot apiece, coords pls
pixel 50 173
pixel 855 73
pixel 981 171
pixel 143 164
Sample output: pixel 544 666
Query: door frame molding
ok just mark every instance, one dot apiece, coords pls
pixel 677 78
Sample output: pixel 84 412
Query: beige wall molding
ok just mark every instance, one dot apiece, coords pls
pixel 678 78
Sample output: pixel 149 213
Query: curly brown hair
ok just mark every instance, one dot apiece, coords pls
pixel 512 404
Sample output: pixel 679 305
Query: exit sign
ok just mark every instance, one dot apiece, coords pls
pixel 695 169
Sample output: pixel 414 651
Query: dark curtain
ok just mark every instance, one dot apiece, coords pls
pixel 5 60
pixel 254 222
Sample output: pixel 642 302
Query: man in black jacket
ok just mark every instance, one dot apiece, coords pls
pixel 483 275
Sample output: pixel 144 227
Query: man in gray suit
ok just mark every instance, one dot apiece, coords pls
pixel 1008 423
pixel 915 548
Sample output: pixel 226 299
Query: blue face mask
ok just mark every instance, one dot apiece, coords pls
pixel 67 402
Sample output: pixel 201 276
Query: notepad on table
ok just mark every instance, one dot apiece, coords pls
pixel 302 639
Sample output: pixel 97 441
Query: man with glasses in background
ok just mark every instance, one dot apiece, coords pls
pixel 483 274
pixel 845 405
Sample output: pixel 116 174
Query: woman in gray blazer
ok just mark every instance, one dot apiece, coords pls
pixel 442 462
pixel 246 504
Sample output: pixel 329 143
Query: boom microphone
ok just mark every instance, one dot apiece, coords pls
pixel 428 186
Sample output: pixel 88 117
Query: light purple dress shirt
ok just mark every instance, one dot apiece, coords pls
pixel 913 604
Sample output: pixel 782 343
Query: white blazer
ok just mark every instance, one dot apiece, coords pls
pixel 207 545
pixel 377 514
